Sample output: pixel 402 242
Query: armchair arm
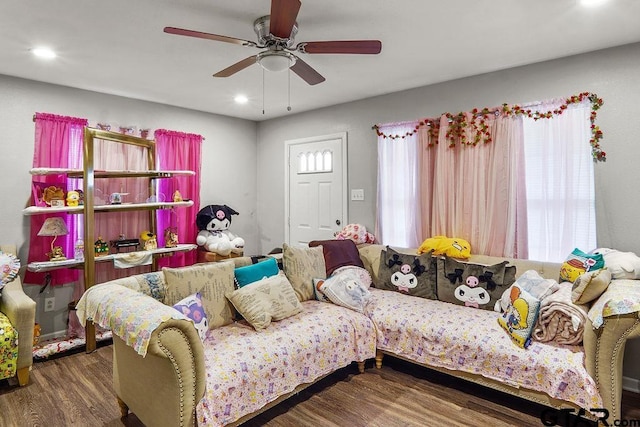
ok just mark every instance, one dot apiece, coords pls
pixel 163 387
pixel 604 354
pixel 21 312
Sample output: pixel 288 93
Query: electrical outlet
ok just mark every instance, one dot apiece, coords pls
pixel 49 304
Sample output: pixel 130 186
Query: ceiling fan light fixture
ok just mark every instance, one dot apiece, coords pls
pixel 276 60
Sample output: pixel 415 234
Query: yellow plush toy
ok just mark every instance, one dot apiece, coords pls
pixel 442 245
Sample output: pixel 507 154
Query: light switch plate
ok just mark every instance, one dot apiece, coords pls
pixel 357 194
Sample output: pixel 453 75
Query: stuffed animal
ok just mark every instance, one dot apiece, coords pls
pixel 622 265
pixel 442 245
pixel 213 221
pixel 356 232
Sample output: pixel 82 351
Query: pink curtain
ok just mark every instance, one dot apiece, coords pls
pixel 179 151
pixel 478 192
pixel 427 188
pixel 58 144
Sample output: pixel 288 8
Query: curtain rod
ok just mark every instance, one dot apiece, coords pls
pixel 108 127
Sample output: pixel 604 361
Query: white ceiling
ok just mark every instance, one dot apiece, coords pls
pixel 118 46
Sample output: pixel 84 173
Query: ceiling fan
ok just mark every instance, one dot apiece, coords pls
pixel 276 33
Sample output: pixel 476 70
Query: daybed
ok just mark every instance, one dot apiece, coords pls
pixel 166 375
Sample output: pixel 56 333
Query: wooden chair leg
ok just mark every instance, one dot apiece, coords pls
pixel 379 356
pixel 124 409
pixel 23 376
pixel 361 367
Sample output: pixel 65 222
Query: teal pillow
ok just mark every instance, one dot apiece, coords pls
pixel 253 273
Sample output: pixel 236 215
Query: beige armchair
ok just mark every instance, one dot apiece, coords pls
pixel 21 312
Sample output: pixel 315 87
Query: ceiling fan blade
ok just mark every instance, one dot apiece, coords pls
pixel 238 66
pixel 347 46
pixel 283 17
pixel 201 35
pixel 306 73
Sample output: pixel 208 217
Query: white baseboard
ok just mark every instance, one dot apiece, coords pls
pixel 631 384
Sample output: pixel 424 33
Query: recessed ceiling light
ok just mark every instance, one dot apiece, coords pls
pixel 592 3
pixel 43 52
pixel 241 99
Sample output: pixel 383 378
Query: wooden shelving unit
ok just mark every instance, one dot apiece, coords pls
pixel 88 175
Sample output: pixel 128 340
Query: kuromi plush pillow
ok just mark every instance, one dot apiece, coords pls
pixel 409 274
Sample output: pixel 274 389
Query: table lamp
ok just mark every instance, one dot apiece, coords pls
pixel 55 227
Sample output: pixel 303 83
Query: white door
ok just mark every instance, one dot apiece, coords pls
pixel 316 188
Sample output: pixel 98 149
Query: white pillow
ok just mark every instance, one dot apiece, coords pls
pixel 621 265
pixel 346 289
pixel 530 281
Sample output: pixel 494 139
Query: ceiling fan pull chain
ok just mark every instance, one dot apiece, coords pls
pixel 263 91
pixel 289 89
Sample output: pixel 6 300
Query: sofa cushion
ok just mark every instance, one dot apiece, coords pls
pixel 520 316
pixel 579 262
pixel 254 272
pixel 191 307
pixel 346 288
pixel 268 299
pixel 338 253
pixel 212 280
pixel 411 274
pixel 302 265
pixel 531 281
pixel 589 286
pixel 472 285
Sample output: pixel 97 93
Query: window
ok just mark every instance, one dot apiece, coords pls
pixel 320 161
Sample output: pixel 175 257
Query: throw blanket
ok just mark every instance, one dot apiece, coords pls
pixel 559 319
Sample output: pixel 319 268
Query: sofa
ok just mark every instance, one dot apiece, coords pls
pixel 19 311
pixel 585 377
pixel 166 375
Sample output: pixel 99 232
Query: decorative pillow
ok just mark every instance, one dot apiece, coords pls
pixel 317 292
pixel 579 262
pixel 254 272
pixel 338 253
pixel 410 274
pixel 212 280
pixel 363 275
pixel 473 285
pixel 454 247
pixel 590 286
pixel 302 265
pixel 621 265
pixel 346 289
pixel 9 267
pixel 192 307
pixel 530 281
pixel 266 300
pixel 520 317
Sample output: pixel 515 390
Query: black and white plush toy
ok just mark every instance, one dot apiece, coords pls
pixel 214 221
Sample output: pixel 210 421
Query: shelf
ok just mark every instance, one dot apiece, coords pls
pixel 79 173
pixel 40 267
pixel 37 210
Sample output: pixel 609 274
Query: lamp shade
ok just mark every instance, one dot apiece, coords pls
pixel 53 227
pixel 276 60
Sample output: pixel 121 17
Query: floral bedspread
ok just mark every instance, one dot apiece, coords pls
pixel 247 369
pixel 621 297
pixel 129 314
pixel 471 340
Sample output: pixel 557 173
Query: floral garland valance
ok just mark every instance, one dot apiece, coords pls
pixel 476 121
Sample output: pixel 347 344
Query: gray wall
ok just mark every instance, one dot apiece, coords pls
pixel 228 159
pixel 612 74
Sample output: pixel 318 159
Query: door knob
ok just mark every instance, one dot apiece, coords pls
pixel 338 222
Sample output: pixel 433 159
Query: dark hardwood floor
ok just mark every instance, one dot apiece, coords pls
pixel 76 390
